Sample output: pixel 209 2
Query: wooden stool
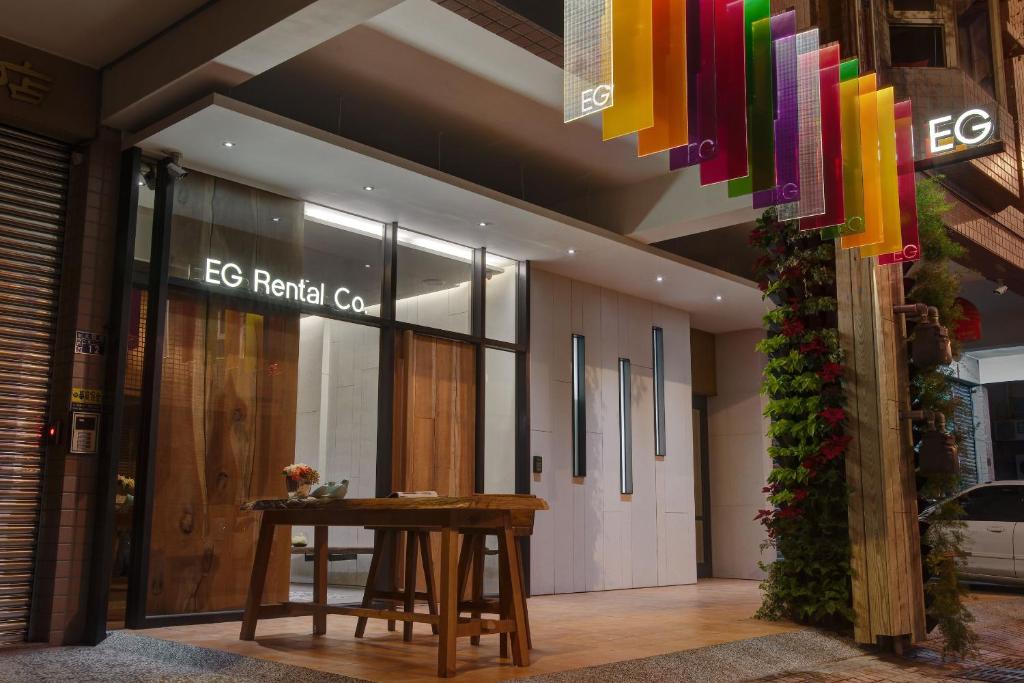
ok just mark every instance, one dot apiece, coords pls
pixel 472 556
pixel 415 538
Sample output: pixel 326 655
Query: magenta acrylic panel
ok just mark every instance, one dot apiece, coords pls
pixel 811 200
pixel 730 160
pixel 907 187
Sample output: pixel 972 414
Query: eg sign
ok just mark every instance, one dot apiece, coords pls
pixel 970 128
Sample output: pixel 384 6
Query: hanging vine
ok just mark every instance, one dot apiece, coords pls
pixel 936 285
pixel 803 380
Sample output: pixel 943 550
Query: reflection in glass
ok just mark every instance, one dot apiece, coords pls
pixel 625 427
pixel 499 421
pixel 239 239
pixel 579 406
pixel 433 282
pixel 501 285
pixel 658 353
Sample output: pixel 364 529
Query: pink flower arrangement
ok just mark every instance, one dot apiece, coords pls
pixel 301 472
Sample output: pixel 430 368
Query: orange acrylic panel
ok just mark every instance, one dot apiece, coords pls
pixel 669 33
pixel 867 106
pixel 892 232
pixel 632 69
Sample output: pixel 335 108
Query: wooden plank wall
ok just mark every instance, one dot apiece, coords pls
pixel 888 596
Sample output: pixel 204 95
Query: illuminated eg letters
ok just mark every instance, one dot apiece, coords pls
pixel 596 98
pixel 263 282
pixel 972 127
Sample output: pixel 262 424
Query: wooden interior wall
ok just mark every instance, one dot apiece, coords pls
pixel 434 421
pixel 888 595
pixel 435 415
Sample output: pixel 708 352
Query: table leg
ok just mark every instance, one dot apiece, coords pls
pixel 449 602
pixel 428 576
pixel 409 605
pixel 504 593
pixel 320 578
pixel 520 651
pixel 257 580
pixel 371 578
pixel 479 557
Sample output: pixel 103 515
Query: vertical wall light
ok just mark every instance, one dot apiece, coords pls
pixel 579 406
pixel 658 353
pixel 625 427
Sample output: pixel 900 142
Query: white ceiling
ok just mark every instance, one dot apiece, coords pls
pixel 293 159
pixel 90 32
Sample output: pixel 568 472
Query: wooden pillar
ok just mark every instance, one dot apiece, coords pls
pixel 888 594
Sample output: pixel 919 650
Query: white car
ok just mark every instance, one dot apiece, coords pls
pixel 994 537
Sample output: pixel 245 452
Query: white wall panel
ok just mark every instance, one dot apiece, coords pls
pixel 594 538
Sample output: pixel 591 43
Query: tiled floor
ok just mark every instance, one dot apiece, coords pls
pixel 569 632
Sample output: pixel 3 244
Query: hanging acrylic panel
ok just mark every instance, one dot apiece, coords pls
pixel 702 103
pixel 811 199
pixel 867 109
pixel 632 69
pixel 762 147
pixel 892 232
pixel 670 108
pixel 730 159
pixel 853 173
pixel 908 188
pixel 753 11
pixel 587 47
pixel 831 143
pixel 787 179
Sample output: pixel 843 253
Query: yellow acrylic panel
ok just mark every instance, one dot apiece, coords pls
pixel 632 69
pixel 867 105
pixel 892 228
pixel 669 33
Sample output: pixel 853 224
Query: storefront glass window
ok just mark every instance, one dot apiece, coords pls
pixel 144 215
pixel 433 282
pixel 501 286
pixel 240 240
pixel 499 422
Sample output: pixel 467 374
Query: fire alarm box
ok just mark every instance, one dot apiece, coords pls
pixel 85 429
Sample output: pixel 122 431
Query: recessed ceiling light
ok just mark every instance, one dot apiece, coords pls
pixel 276 219
pixel 368 188
pixel 367 265
pixel 718 297
pixel 572 252
pixel 483 224
pixel 141 183
pixel 660 279
pixel 228 143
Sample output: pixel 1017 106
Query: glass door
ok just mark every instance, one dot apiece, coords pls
pixel 701 486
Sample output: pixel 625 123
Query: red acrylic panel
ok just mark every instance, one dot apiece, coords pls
pixel 907 188
pixel 831 143
pixel 730 160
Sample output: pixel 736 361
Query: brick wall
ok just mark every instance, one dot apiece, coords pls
pixel 63 555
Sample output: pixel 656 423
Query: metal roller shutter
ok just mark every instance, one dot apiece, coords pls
pixel 33 199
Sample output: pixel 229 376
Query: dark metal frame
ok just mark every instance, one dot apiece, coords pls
pixel 579 405
pixel 625 392
pixel 157 283
pixel 658 365
pixel 107 459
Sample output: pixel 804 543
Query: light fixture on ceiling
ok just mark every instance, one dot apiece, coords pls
pixel 483 224
pixel 228 144
pixel 367 265
pixel 276 219
pixel 340 219
pixel 368 188
pixel 1001 289
pixel 660 279
pixel 718 297
pixel 572 252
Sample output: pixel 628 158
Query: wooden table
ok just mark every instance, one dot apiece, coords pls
pixel 495 514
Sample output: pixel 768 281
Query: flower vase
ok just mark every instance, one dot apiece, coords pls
pixel 297 489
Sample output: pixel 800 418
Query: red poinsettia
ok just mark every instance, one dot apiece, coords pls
pixel 831 372
pixel 835 446
pixel 793 327
pixel 816 347
pixel 833 415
